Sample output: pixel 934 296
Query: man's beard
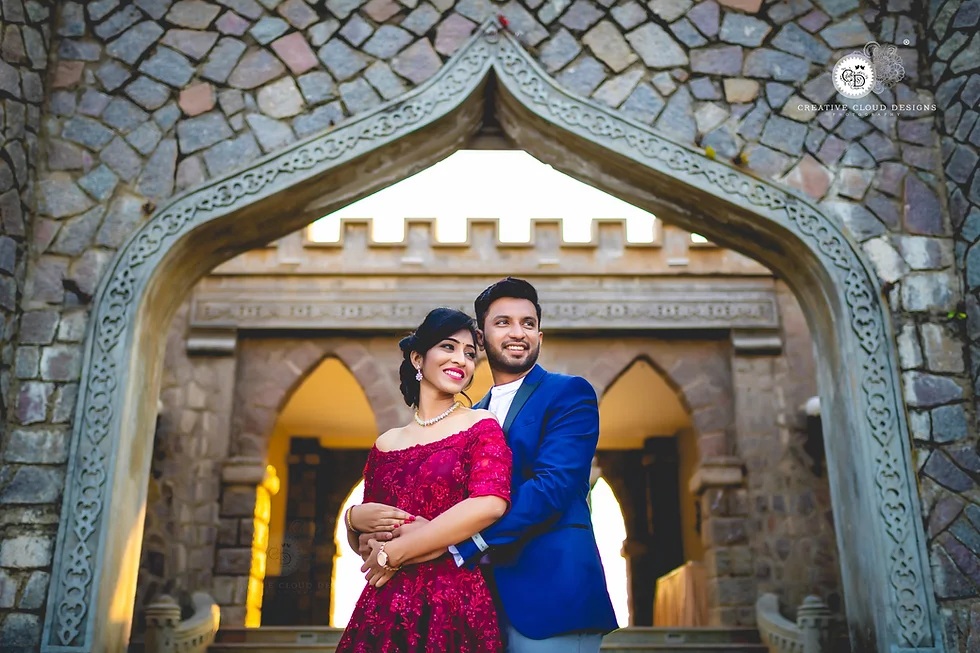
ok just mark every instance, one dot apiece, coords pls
pixel 498 362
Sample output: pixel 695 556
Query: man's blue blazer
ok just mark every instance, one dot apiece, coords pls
pixel 544 559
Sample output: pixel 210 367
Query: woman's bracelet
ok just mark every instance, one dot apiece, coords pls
pixel 350 525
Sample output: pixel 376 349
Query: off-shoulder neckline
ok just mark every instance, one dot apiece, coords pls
pixel 423 445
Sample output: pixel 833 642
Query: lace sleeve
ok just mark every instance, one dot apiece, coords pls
pixel 491 467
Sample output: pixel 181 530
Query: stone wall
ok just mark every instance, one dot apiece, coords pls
pixel 32 439
pixel 952 45
pixel 153 96
pixel 794 552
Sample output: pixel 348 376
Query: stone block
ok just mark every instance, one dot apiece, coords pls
pixel 418 62
pixel 583 76
pixel 341 60
pixel 387 41
pixel 145 137
pixel 949 423
pixel 231 154
pixel 147 93
pixel 295 52
pixel 195 14
pixel 234 561
pixel 8 590
pixel 452 33
pixel 201 132
pixel 942 350
pixel 421 20
pixel 157 180
pixel 123 115
pixel 358 96
pixel 225 56
pixel 39 446
pixel 909 351
pixel 282 99
pixel 743 30
pixel 231 24
pixel 772 64
pixel 582 15
pixel 271 134
pixel 608 44
pixel 613 92
pixel 193 43
pixel 130 46
pixel 889 265
pixel 28 362
pixel 656 47
pixel 32 485
pixel 59 197
pixel 942 470
pixel 169 67
pixel 46 281
pixel 631 14
pixel 22 631
pixel 379 74
pixel 922 390
pixel 298 13
pixel 122 159
pixel 38 327
pixel 929 291
pixel 118 22
pixel 724 531
pixel 719 60
pixel 238 502
pixel 124 214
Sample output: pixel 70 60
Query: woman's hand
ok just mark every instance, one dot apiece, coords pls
pixel 375 574
pixel 376 517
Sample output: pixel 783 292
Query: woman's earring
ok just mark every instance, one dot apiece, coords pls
pixel 418 374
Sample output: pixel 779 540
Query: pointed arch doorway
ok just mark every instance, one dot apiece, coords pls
pixel 889 596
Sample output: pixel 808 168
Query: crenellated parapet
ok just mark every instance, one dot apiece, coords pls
pixel 484 251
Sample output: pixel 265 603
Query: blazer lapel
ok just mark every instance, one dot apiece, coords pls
pixel 483 403
pixel 531 382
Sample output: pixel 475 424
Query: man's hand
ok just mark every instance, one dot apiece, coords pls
pixel 375 574
pixel 364 542
pixel 376 517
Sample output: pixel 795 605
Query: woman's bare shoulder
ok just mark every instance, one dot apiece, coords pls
pixel 389 437
pixel 480 414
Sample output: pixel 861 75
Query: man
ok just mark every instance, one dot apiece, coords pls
pixel 545 564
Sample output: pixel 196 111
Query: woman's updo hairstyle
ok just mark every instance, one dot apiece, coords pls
pixel 438 325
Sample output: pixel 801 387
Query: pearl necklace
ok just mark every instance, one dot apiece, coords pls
pixel 437 418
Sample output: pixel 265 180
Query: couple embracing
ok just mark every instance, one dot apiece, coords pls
pixel 475 528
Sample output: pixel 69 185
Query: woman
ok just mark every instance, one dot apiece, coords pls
pixel 450 465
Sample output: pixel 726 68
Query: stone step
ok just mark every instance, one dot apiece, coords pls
pixel 636 647
pixel 310 639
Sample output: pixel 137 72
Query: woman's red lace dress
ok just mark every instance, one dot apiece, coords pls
pixel 432 606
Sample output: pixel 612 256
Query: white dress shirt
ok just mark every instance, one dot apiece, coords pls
pixel 501 398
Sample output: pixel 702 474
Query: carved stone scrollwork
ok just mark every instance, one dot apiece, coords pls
pixel 896 532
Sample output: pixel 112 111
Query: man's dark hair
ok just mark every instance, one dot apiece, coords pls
pixel 509 287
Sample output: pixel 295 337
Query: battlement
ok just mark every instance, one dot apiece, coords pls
pixel 544 232
pixel 608 252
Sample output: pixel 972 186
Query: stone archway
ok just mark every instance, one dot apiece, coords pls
pixel 890 600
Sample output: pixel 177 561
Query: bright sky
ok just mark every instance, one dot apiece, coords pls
pixel 510 185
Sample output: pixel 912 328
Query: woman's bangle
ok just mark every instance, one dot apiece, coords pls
pixel 350 524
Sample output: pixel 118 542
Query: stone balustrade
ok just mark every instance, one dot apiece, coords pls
pixel 810 634
pixel 166 633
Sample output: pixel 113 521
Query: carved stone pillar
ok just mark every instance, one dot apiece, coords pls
pixel 718 484
pixel 241 479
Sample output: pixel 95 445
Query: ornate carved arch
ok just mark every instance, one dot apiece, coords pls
pixel 891 605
